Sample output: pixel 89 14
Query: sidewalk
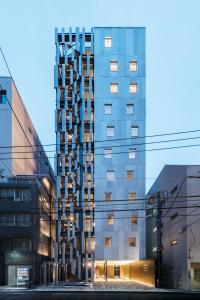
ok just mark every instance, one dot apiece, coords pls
pixel 97 287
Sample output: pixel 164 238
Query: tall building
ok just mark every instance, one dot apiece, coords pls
pixel 173 237
pixel 100 157
pixel 27 194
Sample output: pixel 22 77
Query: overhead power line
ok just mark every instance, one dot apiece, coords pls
pixel 111 146
pixel 110 140
pixel 102 154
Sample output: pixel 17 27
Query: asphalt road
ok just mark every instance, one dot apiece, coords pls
pixel 33 295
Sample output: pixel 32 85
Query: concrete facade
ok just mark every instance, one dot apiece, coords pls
pixel 128 44
pixel 27 193
pixel 16 129
pixel 173 226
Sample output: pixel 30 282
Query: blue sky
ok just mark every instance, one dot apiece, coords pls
pixel 173 61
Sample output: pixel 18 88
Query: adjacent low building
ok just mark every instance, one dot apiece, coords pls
pixel 27 194
pixel 173 219
pixel 26 230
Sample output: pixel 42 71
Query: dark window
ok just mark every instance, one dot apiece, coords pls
pixel 7 194
pixel 22 195
pixel 7 220
pixel 2 96
pixel 132 242
pixel 174 189
pixel 22 244
pixel 174 216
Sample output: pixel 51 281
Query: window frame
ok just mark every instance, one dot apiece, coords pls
pixel 132 153
pixel 115 65
pixel 132 109
pixel 136 64
pixel 128 172
pixel 110 219
pixel 132 241
pixel 109 127
pixel 136 128
pixel 106 106
pixel 111 178
pixel 109 240
pixel 107 41
pixel 131 199
pixel 108 155
pixel 108 199
pixel 113 86
pixel 133 88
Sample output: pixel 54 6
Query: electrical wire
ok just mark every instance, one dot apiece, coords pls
pixel 113 146
pixel 102 154
pixel 108 140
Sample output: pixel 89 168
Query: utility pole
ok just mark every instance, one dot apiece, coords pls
pixel 159 238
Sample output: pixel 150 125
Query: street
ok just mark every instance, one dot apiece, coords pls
pixel 33 295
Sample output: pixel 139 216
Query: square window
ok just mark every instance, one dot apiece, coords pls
pixel 133 66
pixel 129 175
pixel 108 153
pixel 129 109
pixel 110 220
pixel 108 242
pixel 110 130
pixel 134 131
pixel 132 153
pixel 108 196
pixel 114 66
pixel 114 87
pixel 134 220
pixel 133 88
pixel 132 242
pixel 107 109
pixel 132 197
pixel 110 175
pixel 107 41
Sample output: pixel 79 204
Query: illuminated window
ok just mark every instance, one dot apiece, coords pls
pixel 114 87
pixel 87 223
pixel 108 242
pixel 108 196
pixel 110 175
pixel 129 109
pixel 133 66
pixel 134 220
pixel 133 88
pixel 134 131
pixel 107 109
pixel 131 153
pixel 110 220
pixel 129 174
pixel 110 130
pixel 132 197
pixel 174 242
pixel 107 41
pixel 114 66
pixel 132 242
pixel 108 153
